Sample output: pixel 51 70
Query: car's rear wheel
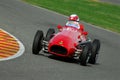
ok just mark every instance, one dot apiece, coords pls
pixel 95 51
pixel 49 34
pixel 84 56
pixel 37 43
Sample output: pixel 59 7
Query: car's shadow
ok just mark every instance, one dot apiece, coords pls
pixel 68 60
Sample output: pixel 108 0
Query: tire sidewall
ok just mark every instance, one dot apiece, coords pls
pixel 49 34
pixel 37 43
pixel 84 56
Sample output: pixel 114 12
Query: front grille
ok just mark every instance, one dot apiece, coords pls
pixel 58 49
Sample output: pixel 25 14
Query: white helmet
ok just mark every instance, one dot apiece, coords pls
pixel 74 17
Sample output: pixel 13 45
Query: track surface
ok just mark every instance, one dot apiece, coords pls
pixel 22 20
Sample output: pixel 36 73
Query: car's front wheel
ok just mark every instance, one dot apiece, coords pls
pixel 37 43
pixel 84 55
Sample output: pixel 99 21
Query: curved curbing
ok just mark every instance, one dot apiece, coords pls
pixel 10 46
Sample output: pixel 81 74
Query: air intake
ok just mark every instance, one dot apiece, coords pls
pixel 58 50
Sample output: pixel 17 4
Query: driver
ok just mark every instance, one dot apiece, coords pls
pixel 73 21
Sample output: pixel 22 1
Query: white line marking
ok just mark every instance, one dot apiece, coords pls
pixel 21 48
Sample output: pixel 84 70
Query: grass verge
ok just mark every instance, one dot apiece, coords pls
pixel 91 11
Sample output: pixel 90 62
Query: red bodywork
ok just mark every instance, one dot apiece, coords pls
pixel 64 42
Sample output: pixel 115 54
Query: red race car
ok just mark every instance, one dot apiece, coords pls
pixel 69 42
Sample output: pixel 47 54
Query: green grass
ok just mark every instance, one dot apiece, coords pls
pixel 91 11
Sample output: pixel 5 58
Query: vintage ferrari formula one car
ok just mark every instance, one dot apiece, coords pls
pixel 67 43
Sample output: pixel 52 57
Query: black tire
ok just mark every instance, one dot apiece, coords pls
pixel 95 51
pixel 49 34
pixel 37 43
pixel 84 55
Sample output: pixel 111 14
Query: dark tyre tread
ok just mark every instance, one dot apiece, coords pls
pixel 95 51
pixel 49 34
pixel 84 55
pixel 37 43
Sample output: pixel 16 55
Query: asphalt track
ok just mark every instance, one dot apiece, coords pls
pixel 22 20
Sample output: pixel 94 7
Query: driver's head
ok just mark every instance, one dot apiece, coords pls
pixel 74 17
